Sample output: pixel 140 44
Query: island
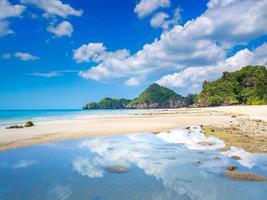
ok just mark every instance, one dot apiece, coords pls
pixel 247 86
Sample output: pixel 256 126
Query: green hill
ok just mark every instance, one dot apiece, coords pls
pixel 156 96
pixel 108 103
pixel 246 86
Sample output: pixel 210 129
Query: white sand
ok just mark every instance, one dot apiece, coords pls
pixel 146 121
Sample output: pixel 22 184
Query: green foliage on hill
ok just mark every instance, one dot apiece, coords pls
pixel 156 96
pixel 246 86
pixel 108 103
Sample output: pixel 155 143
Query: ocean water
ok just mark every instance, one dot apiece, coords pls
pixel 167 166
pixel 8 117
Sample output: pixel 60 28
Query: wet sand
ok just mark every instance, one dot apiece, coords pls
pixel 243 121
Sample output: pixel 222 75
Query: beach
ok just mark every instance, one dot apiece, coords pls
pixel 246 124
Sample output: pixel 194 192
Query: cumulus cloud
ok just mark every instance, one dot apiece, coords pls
pixel 201 42
pixel 26 56
pixel 8 10
pixel 146 7
pixel 54 7
pixel 134 81
pixel 163 20
pixel 193 77
pixel 63 29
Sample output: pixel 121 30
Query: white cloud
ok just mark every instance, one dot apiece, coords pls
pixel 134 81
pixel 8 10
pixel 89 52
pixel 46 74
pixel 164 21
pixel 192 78
pixel 201 42
pixel 4 28
pixel 146 7
pixel 6 56
pixel 26 56
pixel 52 74
pixel 54 7
pixel 158 20
pixel 63 29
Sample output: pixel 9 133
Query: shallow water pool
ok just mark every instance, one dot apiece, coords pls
pixel 167 166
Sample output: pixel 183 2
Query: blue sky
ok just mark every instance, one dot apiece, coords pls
pixel 63 53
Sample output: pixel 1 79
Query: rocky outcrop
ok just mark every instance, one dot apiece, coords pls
pixel 29 124
pixel 14 127
pixel 156 96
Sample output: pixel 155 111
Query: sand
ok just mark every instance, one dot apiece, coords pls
pixel 241 119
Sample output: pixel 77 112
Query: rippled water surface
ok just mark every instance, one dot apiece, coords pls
pixel 167 166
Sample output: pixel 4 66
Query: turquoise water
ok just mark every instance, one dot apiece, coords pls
pixel 158 170
pixel 20 116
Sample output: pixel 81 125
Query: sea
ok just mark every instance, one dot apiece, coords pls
pixel 11 117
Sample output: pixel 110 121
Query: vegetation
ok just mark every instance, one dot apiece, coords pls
pixel 246 86
pixel 156 96
pixel 108 103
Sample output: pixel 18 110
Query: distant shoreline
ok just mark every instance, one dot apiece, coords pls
pixel 241 122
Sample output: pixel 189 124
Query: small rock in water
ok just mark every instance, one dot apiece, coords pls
pixel 217 158
pixel 244 176
pixel 236 157
pixel 14 126
pixel 232 168
pixel 206 143
pixel 117 169
pixel 29 124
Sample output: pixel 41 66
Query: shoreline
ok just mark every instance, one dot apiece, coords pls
pixel 241 126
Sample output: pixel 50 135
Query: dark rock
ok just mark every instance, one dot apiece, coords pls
pixel 14 127
pixel 217 158
pixel 29 124
pixel 206 143
pixel 236 157
pixel 231 167
pixel 117 169
pixel 212 130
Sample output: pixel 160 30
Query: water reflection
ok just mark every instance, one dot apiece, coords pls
pixel 170 165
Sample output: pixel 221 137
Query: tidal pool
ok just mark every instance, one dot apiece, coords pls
pixel 167 166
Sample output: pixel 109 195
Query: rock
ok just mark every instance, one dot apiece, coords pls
pixel 206 143
pixel 212 130
pixel 236 157
pixel 117 169
pixel 29 124
pixel 217 158
pixel 187 128
pixel 244 176
pixel 233 116
pixel 14 127
pixel 231 167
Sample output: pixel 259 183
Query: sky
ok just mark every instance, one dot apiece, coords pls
pixel 64 53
